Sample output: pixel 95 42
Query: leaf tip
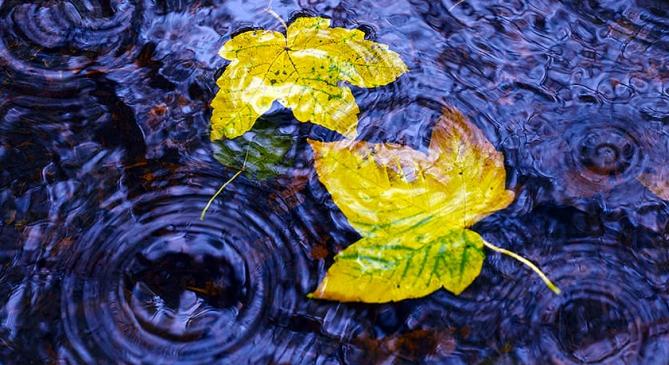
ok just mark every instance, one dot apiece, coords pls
pixel 403 67
pixel 335 292
pixel 318 147
pixel 313 142
pixel 510 196
pixel 215 135
pixel 320 293
pixel 455 292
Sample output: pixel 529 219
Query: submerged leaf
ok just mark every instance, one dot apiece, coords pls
pixel 303 71
pixel 412 209
pixel 657 181
pixel 267 151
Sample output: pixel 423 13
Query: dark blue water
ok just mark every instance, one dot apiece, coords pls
pixel 106 164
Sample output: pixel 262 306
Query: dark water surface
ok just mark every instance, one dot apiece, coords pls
pixel 106 164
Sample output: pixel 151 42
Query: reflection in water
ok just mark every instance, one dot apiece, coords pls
pixel 105 165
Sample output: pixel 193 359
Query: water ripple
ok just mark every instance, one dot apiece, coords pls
pixel 57 40
pixel 156 282
pixel 106 163
pixel 609 313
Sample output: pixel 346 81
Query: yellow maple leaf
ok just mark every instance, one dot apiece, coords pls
pixel 413 210
pixel 303 71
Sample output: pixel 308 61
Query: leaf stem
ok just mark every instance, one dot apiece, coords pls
pixel 273 13
pixel 225 184
pixel 456 4
pixel 527 262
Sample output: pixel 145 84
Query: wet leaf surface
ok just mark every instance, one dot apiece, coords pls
pixel 106 163
pixel 412 209
pixel 304 71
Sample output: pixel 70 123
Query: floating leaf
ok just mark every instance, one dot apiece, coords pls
pixel 303 71
pixel 412 209
pixel 388 188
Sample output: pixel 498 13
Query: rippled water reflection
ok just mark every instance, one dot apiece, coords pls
pixel 105 165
